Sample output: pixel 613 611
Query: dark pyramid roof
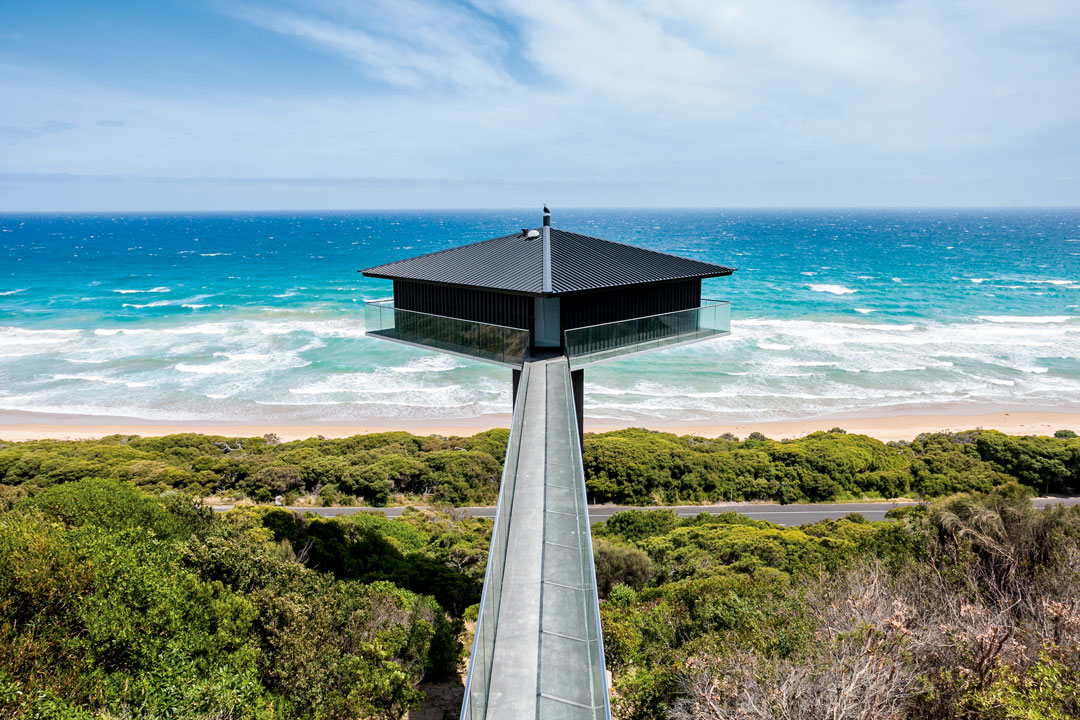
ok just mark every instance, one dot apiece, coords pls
pixel 516 263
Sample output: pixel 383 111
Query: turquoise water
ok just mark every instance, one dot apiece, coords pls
pixel 259 317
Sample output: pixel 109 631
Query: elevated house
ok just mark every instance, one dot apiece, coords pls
pixel 542 292
pixel 546 303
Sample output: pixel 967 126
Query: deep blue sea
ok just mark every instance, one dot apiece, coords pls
pixel 258 317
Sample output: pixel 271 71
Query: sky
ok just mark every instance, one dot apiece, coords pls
pixel 115 105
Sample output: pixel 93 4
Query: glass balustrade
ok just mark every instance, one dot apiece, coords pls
pixel 608 341
pixel 491 343
pixel 475 706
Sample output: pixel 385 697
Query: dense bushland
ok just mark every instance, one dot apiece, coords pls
pixel 633 467
pixel 115 603
pixel 968 608
pixel 639 467
pixel 118 604
pixel 370 468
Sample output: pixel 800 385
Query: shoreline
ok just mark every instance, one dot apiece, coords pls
pixel 20 426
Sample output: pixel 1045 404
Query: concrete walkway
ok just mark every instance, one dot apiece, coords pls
pixel 538 652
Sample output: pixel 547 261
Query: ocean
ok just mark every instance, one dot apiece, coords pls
pixel 259 317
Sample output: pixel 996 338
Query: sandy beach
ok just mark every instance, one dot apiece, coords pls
pixel 17 426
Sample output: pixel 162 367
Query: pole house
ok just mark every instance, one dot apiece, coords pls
pixel 541 292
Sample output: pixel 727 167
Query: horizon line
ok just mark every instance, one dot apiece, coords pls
pixel 522 208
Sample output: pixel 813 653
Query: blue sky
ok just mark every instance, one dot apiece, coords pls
pixel 315 104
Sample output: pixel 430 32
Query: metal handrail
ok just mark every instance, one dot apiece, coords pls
pixel 504 489
pixel 576 449
pixel 390 302
pixel 712 303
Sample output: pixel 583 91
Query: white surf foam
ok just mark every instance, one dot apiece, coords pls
pixel 209 369
pixel 767 369
pixel 1046 282
pixel 21 342
pixel 1033 319
pixel 158 303
pixel 834 289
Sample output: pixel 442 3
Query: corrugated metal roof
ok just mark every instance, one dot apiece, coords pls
pixel 578 262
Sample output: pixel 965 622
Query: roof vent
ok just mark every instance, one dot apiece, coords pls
pixel 532 234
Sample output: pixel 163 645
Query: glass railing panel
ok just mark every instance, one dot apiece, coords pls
pixel 603 342
pixel 491 343
pixel 601 708
pixel 475 705
pixel 718 319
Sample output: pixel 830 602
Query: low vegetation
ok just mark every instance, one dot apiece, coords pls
pixel 116 604
pixel 631 467
pixel 968 608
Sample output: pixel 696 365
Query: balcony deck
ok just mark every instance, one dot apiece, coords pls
pixel 509 347
pixel 611 341
pixel 496 344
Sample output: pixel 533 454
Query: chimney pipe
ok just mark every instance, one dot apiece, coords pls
pixel 546 235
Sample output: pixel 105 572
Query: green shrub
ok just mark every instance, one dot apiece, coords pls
pixel 620 565
pixel 117 604
pixel 636 525
pixel 634 466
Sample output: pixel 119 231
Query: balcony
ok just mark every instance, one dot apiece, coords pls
pixel 609 341
pixel 495 344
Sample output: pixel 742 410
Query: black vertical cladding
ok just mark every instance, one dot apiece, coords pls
pixel 483 306
pixel 604 306
pixel 580 309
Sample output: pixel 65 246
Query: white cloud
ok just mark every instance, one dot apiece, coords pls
pixel 762 101
pixel 892 76
pixel 405 43
pixel 889 76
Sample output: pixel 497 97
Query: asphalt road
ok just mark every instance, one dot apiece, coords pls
pixel 779 514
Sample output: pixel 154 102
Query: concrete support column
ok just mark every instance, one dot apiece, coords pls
pixel 577 380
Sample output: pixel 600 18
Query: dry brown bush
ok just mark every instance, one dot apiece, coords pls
pixel 997 585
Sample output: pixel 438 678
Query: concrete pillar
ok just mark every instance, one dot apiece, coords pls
pixel 577 380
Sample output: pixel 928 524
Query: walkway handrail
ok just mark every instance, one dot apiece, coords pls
pixel 579 470
pixel 489 617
